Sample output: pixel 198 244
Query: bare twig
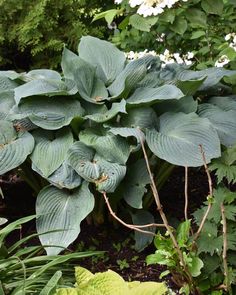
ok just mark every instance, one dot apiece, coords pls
pixel 186 194
pixel 161 212
pixel 209 196
pixel 131 226
pixel 225 246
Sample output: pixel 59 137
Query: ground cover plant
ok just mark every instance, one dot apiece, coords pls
pixel 23 268
pixel 91 137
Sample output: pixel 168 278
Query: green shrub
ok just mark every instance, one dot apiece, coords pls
pixel 81 132
pixel 32 33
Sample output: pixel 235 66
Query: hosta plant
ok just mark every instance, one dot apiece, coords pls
pixel 109 283
pixel 80 131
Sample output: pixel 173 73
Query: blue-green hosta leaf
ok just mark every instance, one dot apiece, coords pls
pixel 94 168
pixel 189 87
pixel 6 83
pixel 65 177
pixel 148 96
pixel 142 117
pixel 6 103
pixel 179 138
pixel 127 132
pixel 212 76
pixel 51 113
pixel 119 107
pixel 107 59
pixel 112 148
pixel 83 74
pixel 227 103
pixel 142 240
pixel 133 73
pixel 41 74
pixel 50 149
pixel 14 147
pixel 223 121
pixel 135 184
pixel 185 105
pixel 43 87
pixel 63 211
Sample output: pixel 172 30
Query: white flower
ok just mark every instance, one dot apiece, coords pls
pixel 223 60
pixel 118 1
pixel 190 55
pixel 227 37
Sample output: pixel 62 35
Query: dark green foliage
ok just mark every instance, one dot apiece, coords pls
pixel 32 33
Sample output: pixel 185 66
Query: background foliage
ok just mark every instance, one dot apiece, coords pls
pixel 32 33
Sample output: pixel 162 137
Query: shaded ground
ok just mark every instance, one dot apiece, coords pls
pixel 119 255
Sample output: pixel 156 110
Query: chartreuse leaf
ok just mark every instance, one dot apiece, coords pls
pixel 14 146
pixel 112 148
pixel 52 208
pixel 148 96
pixel 110 283
pixel 183 231
pixel 50 149
pixel 104 56
pixel 223 121
pixel 134 72
pixel 6 103
pixel 195 266
pixel 93 168
pixel 101 117
pixel 179 137
pixel 51 113
pixel 42 86
pixel 135 183
pixel 90 87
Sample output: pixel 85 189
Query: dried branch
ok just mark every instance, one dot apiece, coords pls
pixel 209 196
pixel 186 194
pixel 161 212
pixel 130 226
pixel 225 246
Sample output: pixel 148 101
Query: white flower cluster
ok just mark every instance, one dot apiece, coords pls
pixel 150 7
pixel 232 38
pixel 166 57
pixel 224 60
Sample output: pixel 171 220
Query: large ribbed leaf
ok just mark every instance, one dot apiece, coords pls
pixel 65 177
pixel 135 182
pixel 148 96
pixel 51 113
pixel 179 138
pixel 223 121
pixel 50 149
pixel 127 132
pixel 127 80
pixel 6 103
pixel 212 76
pixel 43 87
pixel 185 105
pixel 83 74
pixel 107 59
pixel 227 103
pixel 119 107
pixel 14 147
pixel 6 83
pixel 143 117
pixel 94 168
pixel 61 211
pixel 112 148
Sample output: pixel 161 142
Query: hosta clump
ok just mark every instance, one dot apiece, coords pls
pixel 81 130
